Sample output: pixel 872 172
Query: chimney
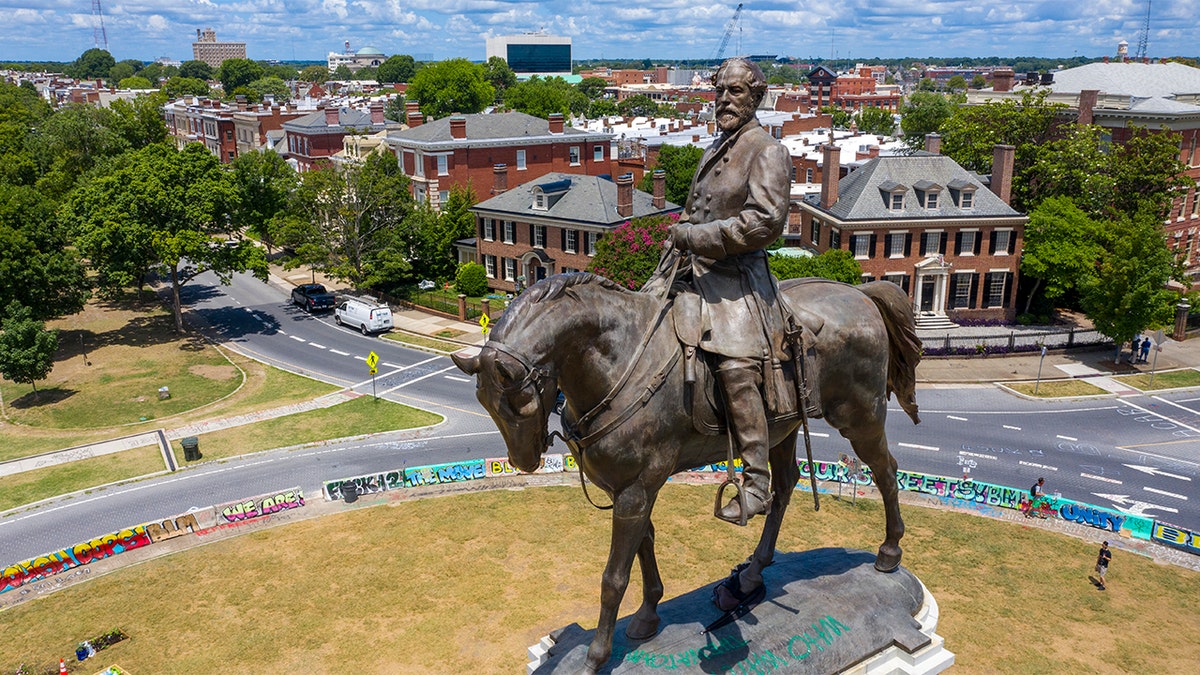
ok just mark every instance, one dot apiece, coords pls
pixel 556 123
pixel 1002 79
pixel 1002 171
pixel 695 138
pixel 873 151
pixel 458 127
pixel 1087 104
pixel 415 119
pixel 712 127
pixel 499 179
pixel 625 195
pixel 660 189
pixel 377 113
pixel 411 107
pixel 832 156
pixel 275 110
pixel 331 116
pixel 1106 58
pixel 933 143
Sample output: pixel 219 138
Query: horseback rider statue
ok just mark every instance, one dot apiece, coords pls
pixel 737 206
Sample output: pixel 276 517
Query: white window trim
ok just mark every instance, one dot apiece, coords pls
pixel 1004 251
pixel 539 236
pixel 894 237
pixel 574 149
pixel 598 153
pixel 857 237
pixel 572 242
pixel 443 163
pixel 521 165
pixel 489 229
pixel 965 251
pixel 510 232
pixel 418 165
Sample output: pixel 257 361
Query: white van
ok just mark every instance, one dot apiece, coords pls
pixel 364 314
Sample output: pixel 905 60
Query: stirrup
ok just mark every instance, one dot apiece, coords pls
pixel 740 496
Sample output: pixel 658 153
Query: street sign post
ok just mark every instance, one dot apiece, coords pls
pixel 1039 377
pixel 373 364
pixel 483 323
pixel 1159 339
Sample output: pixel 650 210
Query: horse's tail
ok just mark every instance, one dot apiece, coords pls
pixel 904 347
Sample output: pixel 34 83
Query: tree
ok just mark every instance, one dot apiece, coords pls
pixel 453 86
pixel 876 121
pixel 365 73
pixel 71 142
pixel 629 253
pixel 342 72
pixel 978 82
pixel 121 71
pixel 177 87
pixel 272 87
pixel 196 69
pixel 39 267
pixel 134 82
pixel 398 68
pixel 283 71
pixel 91 64
pixel 264 182
pixel 152 71
pixel 542 96
pixel 592 87
pixel 22 111
pixel 140 121
pixel 395 109
pixel 235 73
pixel 26 347
pixel 471 279
pixel 1060 250
pixel 841 118
pixel 836 264
pixel 434 233
pixel 1127 292
pixel 957 83
pixel 317 74
pixel 679 163
pixel 1146 171
pixel 350 223
pixel 499 75
pixel 927 84
pixel 161 210
pixel 923 113
pixel 638 105
pixel 602 107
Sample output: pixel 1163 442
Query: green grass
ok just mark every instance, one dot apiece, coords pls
pixel 1056 388
pixel 363 415
pixel 464 584
pixel 1165 380
pixel 32 486
pixel 423 342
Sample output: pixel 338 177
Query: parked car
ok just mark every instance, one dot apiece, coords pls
pixel 313 298
pixel 365 314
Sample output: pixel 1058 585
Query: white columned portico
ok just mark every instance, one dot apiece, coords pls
pixel 931 283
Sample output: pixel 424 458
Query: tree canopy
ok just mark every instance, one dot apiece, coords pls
pixel 836 264
pixel 177 87
pixel 91 64
pixel 453 86
pixel 638 105
pixel 272 87
pixel 26 347
pixel 398 68
pixel 542 96
pixel 499 75
pixel 315 73
pixel 40 269
pixel 923 113
pixel 235 73
pixel 679 163
pixel 592 87
pixel 264 182
pixel 196 69
pixel 876 121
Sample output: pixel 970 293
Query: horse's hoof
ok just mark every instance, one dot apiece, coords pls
pixel 888 559
pixel 641 630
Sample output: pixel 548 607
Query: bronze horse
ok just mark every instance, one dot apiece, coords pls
pixel 614 356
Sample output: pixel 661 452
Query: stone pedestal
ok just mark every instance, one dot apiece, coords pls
pixel 825 611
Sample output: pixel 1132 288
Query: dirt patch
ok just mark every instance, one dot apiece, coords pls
pixel 213 372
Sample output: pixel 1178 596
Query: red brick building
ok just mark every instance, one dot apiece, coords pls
pixel 319 135
pixel 848 92
pixel 252 124
pixel 202 120
pixel 462 150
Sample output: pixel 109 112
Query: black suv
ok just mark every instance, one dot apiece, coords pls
pixel 313 298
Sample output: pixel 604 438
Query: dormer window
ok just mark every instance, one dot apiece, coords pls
pixel 897 202
pixel 539 200
pixel 931 200
pixel 963 193
pixel 927 194
pixel 893 195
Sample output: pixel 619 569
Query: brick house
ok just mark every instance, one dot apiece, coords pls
pixel 202 120
pixel 253 124
pixel 551 224
pixel 849 92
pixel 926 224
pixel 320 135
pixel 461 151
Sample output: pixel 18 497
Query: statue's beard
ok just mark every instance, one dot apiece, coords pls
pixel 732 117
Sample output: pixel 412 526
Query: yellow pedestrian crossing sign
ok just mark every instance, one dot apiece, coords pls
pixel 373 362
pixel 483 323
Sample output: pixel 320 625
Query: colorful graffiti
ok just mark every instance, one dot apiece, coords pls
pixel 172 527
pixel 455 472
pixel 256 507
pixel 1088 515
pixel 1176 537
pixel 83 553
pixel 816 638
pixel 551 463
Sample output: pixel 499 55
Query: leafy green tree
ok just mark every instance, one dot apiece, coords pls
pixel 433 234
pixel 1146 172
pixel 271 86
pixel 927 84
pixel 318 74
pixel 630 252
pixel 679 163
pixel 21 112
pixel 395 109
pixel 1060 250
pixel 499 75
pixel 235 73
pixel 91 64
pixel 165 211
pixel 923 113
pixel 978 82
pixel 398 68
pixel 342 72
pixel 841 118
pixel 177 87
pixel 151 71
pixel 592 87
pixel 602 107
pixel 134 82
pixel 283 71
pixel 264 182
pixel 836 264
pixel 40 268
pixel 72 141
pixel 876 121
pixel 351 223
pixel 1127 292
pixel 542 96
pixel 196 69
pixel 121 71
pixel 365 73
pixel 453 86
pixel 471 279
pixel 140 121
pixel 26 347
pixel 957 83
pixel 638 105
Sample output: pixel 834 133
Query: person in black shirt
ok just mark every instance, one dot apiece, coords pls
pixel 1102 564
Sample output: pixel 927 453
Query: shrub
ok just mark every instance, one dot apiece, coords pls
pixel 471 279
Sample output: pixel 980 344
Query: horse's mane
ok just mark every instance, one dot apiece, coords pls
pixel 552 288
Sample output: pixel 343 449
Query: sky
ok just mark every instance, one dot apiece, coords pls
pixel 60 30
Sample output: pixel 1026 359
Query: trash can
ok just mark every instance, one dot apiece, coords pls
pixel 191 448
pixel 350 492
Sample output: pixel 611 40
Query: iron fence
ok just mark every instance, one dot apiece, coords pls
pixel 1009 341
pixel 443 304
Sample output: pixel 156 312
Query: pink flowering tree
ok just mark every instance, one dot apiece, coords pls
pixel 629 254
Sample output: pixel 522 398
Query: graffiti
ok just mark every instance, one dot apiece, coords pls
pixel 835 471
pixel 1176 537
pixel 826 631
pixel 691 657
pixel 815 639
pixel 256 507
pixel 83 553
pixel 552 463
pixel 457 472
pixel 1095 517
pixel 172 527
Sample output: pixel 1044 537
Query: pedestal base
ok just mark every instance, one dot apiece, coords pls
pixel 825 611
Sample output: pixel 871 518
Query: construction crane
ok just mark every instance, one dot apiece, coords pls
pixel 99 36
pixel 1144 35
pixel 729 27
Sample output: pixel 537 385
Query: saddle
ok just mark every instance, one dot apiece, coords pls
pixel 786 383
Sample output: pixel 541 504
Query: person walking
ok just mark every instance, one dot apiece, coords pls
pixel 1102 561
pixel 1145 350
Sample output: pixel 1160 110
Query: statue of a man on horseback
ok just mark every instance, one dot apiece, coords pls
pixel 738 206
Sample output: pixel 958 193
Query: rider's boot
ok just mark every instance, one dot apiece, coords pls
pixel 747 418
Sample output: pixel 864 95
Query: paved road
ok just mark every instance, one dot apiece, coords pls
pixel 1136 453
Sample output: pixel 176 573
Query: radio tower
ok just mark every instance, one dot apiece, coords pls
pixel 99 36
pixel 1144 35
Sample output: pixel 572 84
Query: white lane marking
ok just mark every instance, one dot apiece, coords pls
pixel 297 339
pixel 1161 416
pixel 282 332
pixel 953 417
pixel 1181 407
pixel 1187 400
pixel 361 358
pixel 1018 412
pixel 1164 492
pixel 1066 438
pixel 1102 478
pixel 313 344
pixel 338 352
pixel 457 378
pixel 918 447
pixel 976 454
pixel 1134 506
pixel 394 365
pixel 1154 471
pixel 1009 426
pixel 818 434
pixel 1037 466
pixel 414 381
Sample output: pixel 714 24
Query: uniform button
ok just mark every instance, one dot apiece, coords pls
pixel 725 159
pixel 708 197
pixel 697 195
pixel 717 171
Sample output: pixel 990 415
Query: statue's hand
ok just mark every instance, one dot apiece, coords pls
pixel 677 237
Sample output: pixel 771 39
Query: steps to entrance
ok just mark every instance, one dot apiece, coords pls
pixel 931 321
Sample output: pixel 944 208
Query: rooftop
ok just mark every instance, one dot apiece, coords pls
pixel 586 200
pixel 1141 80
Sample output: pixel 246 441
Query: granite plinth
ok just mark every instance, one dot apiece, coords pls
pixel 825 611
